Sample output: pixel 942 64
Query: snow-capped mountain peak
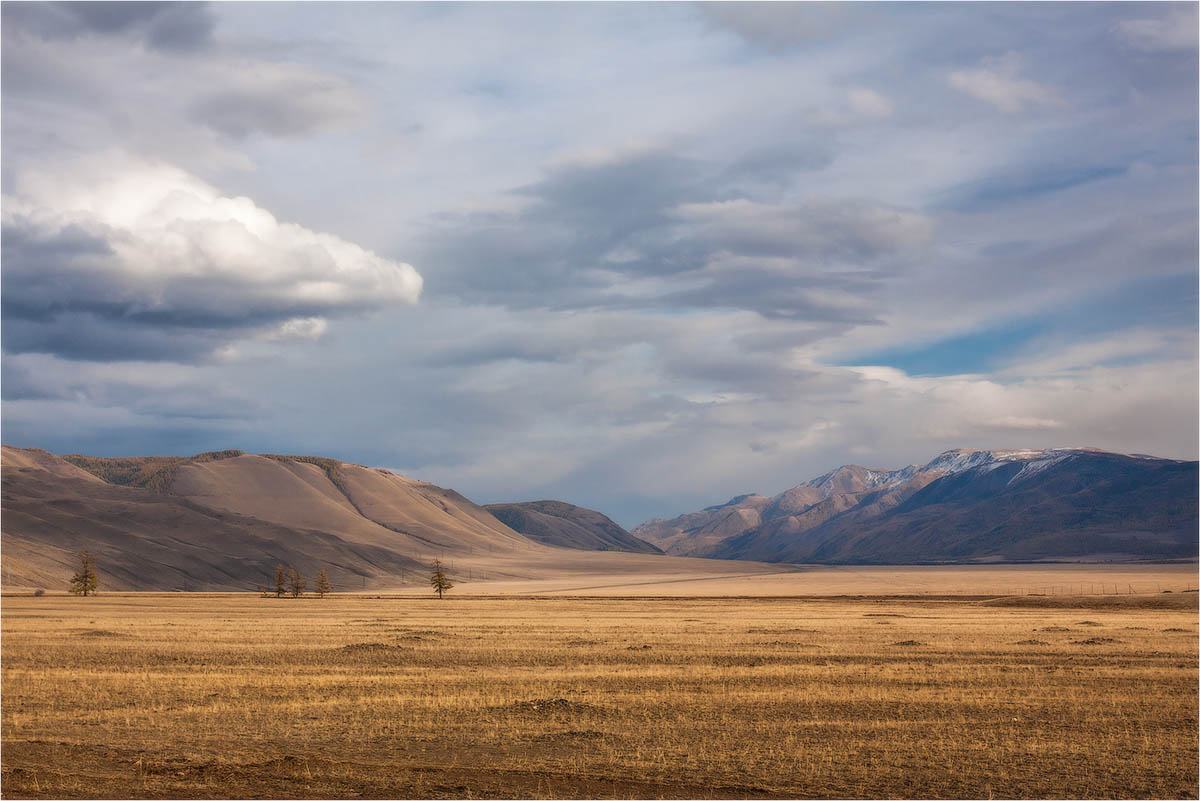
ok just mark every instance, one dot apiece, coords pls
pixel 1036 459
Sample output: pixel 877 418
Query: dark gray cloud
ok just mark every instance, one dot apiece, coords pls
pixel 91 336
pixel 168 26
pixel 688 230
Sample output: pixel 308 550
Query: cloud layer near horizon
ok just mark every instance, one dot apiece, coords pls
pixel 637 257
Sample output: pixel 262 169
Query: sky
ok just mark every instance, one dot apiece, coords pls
pixel 639 257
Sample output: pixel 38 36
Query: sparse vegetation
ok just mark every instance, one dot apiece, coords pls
pixel 154 473
pixel 85 582
pixel 330 466
pixel 217 696
pixel 438 578
pixel 216 456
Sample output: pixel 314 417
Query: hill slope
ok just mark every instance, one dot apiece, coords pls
pixel 567 526
pixel 965 505
pixel 222 521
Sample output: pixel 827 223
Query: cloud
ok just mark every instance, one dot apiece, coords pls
pixel 820 230
pixel 278 99
pixel 647 232
pixel 869 103
pixel 1174 32
pixel 166 26
pixel 855 106
pixel 777 25
pixel 645 229
pixel 118 258
pixel 998 83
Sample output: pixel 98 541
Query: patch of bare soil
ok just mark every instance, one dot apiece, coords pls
pixel 97 772
pixel 369 648
pixel 1168 601
pixel 733 660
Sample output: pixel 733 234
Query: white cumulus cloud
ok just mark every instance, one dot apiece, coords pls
pixel 110 243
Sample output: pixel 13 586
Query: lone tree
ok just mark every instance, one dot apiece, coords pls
pixel 84 582
pixel 295 583
pixel 323 587
pixel 438 578
pixel 280 581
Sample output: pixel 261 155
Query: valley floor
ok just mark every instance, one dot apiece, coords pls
pixel 710 577
pixel 176 695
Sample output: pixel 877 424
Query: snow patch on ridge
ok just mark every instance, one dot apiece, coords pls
pixel 1037 460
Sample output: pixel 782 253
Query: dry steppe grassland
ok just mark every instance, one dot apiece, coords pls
pixel 233 695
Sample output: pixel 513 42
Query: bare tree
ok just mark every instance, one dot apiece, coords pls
pixel 295 583
pixel 323 587
pixel 84 582
pixel 280 581
pixel 438 578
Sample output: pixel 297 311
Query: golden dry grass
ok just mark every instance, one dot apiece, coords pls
pixel 238 696
pixel 639 574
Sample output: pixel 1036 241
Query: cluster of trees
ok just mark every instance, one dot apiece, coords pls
pixel 289 581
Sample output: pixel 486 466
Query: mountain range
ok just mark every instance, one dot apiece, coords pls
pixel 963 506
pixel 568 526
pixel 223 520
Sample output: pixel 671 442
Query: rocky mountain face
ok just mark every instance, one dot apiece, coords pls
pixel 567 526
pixel 963 506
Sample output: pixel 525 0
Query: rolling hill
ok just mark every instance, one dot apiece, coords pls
pixel 223 520
pixel 568 526
pixel 964 506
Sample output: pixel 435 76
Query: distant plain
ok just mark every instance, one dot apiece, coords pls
pixel 368 695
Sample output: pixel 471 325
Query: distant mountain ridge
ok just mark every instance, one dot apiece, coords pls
pixel 568 526
pixel 223 520
pixel 964 505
